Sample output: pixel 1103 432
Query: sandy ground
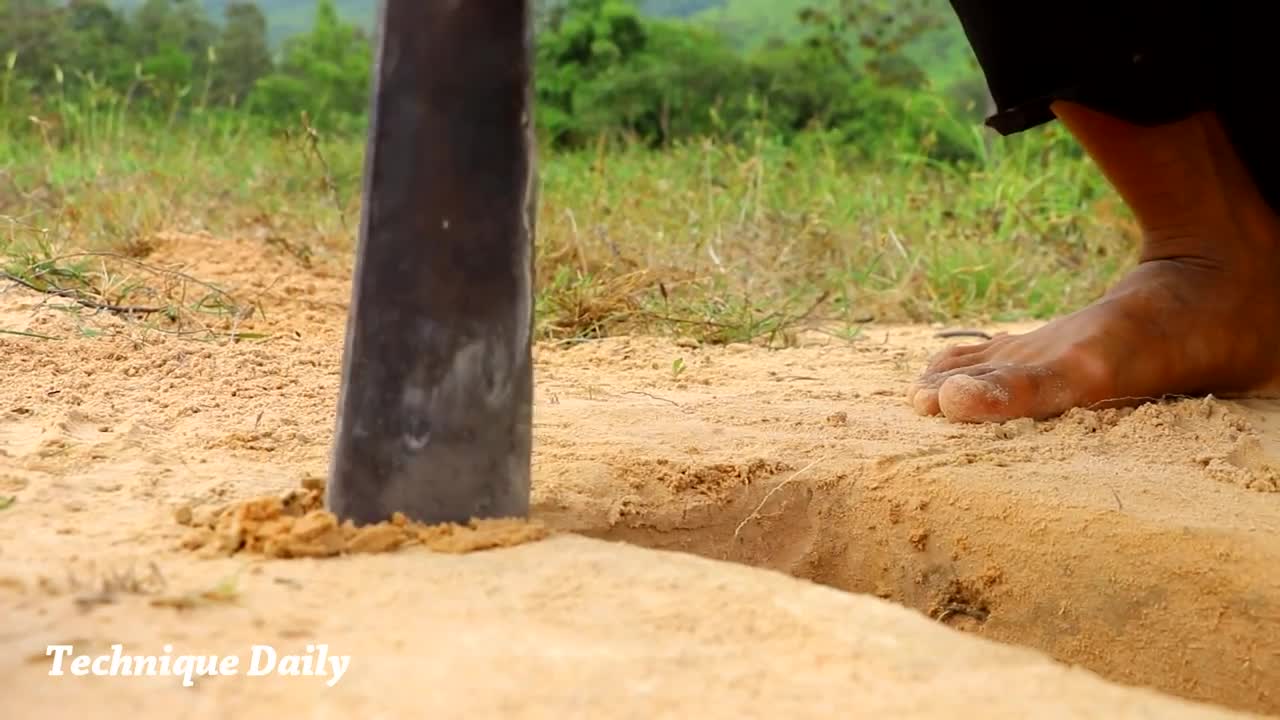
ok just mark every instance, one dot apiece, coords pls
pixel 1141 547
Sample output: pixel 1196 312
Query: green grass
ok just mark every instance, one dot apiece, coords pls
pixel 715 242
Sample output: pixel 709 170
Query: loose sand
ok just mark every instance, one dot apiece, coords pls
pixel 159 492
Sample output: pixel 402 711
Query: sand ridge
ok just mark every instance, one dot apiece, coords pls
pixel 148 475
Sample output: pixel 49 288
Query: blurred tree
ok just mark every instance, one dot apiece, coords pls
pixel 581 41
pixel 325 73
pixel 873 35
pixel 37 34
pixel 173 38
pixel 243 53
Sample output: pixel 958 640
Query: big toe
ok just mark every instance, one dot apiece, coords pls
pixel 1002 395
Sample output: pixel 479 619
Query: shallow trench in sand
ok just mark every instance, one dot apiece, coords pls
pixel 1143 545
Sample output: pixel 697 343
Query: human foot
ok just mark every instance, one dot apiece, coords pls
pixel 1200 314
pixel 1172 327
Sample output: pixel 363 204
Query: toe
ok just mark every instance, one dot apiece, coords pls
pixel 955 357
pixel 1005 394
pixel 922 395
pixel 925 400
pixel 935 379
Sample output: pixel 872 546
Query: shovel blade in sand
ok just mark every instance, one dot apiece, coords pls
pixel 434 408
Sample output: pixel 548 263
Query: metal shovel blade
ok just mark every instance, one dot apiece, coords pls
pixel 435 405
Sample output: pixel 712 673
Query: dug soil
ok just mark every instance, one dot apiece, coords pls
pixel 719 531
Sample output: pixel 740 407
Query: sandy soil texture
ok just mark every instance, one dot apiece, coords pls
pixel 151 487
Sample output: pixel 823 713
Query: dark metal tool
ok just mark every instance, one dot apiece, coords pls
pixel 435 406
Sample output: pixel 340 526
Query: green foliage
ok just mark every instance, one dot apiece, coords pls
pixel 243 52
pixel 324 73
pixel 818 166
pixel 170 57
pixel 853 72
pixel 604 70
pixel 751 24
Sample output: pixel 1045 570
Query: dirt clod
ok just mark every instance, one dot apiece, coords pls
pixel 296 525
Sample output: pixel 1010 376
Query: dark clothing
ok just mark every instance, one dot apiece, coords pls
pixel 1143 61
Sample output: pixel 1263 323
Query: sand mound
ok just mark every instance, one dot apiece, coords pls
pixel 1140 545
pixel 296 525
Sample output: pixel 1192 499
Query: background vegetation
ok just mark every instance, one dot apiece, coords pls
pixel 720 168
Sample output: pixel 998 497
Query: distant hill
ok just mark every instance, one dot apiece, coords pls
pixel 289 17
pixel 748 23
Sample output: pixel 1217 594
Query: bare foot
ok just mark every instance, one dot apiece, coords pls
pixel 1200 314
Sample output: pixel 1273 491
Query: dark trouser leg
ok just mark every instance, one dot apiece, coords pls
pixel 1144 62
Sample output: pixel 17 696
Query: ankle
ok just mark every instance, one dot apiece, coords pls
pixel 1186 186
pixel 1169 175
